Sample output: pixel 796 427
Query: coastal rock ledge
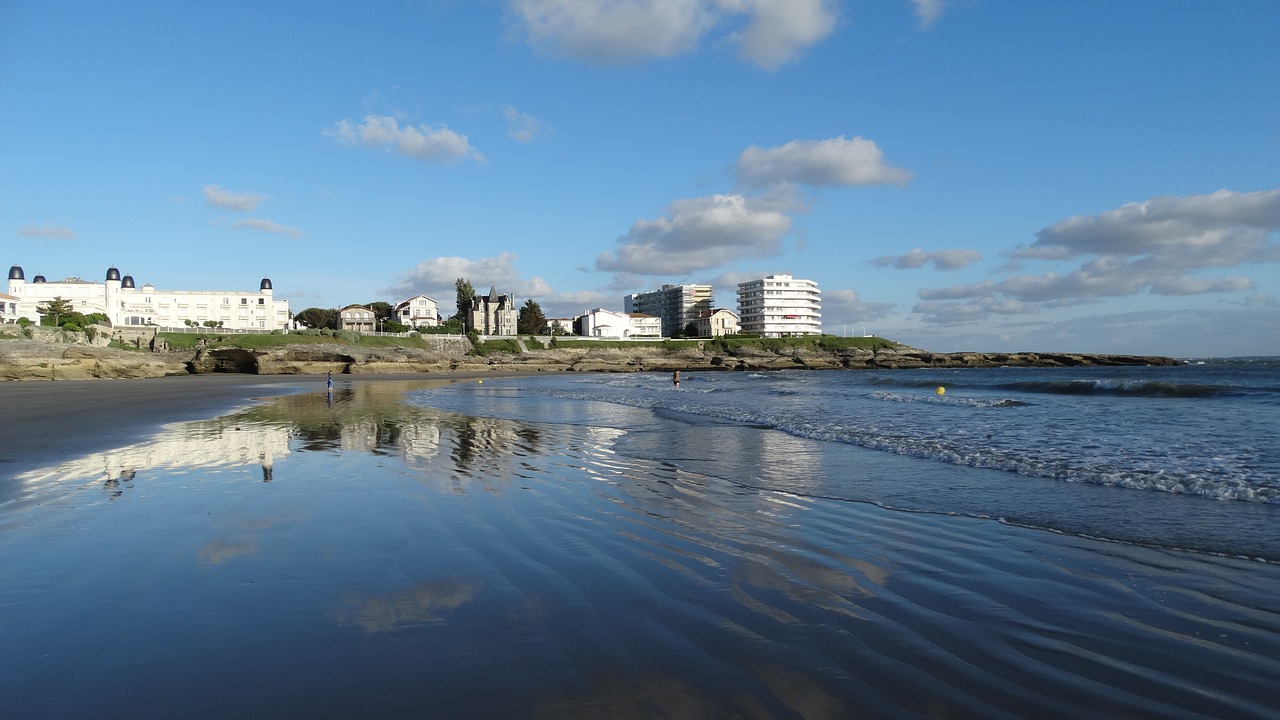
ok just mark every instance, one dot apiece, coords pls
pixel 42 360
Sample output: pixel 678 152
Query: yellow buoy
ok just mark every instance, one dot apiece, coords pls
pixel 941 390
pixel 479 382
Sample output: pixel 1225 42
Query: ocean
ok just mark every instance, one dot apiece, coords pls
pixel 1184 457
pixel 1065 543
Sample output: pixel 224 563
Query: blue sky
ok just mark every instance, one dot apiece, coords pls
pixel 955 174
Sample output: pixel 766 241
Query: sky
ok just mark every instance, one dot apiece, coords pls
pixel 955 175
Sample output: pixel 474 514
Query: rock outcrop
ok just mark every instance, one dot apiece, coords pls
pixel 53 358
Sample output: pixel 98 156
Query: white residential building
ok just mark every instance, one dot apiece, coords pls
pixel 641 325
pixel 124 303
pixel 677 305
pixel 780 306
pixel 418 311
pixel 8 309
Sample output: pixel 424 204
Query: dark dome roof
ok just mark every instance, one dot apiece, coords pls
pixel 15 273
pixel 266 284
pixel 38 279
pixel 113 274
pixel 126 281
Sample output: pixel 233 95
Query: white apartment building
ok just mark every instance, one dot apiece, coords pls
pixel 677 305
pixel 124 303
pixel 780 306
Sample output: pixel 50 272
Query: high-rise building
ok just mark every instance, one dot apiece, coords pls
pixel 780 306
pixel 677 305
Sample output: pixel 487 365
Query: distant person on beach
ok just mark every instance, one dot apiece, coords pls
pixel 328 386
pixel 675 379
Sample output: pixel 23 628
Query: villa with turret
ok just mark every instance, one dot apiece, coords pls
pixel 127 304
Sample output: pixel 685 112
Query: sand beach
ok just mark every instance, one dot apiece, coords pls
pixel 239 546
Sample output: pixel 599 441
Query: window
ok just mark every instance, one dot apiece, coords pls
pixel 262 301
pixel 244 301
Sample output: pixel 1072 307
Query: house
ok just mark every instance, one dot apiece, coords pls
pixel 492 314
pixel 560 326
pixel 356 317
pixel 717 323
pixel 780 306
pixel 642 325
pixel 8 308
pixel 610 323
pixel 126 303
pixel 417 311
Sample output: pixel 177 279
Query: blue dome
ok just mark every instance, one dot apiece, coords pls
pixel 126 281
pixel 15 273
pixel 38 279
pixel 266 284
pixel 112 274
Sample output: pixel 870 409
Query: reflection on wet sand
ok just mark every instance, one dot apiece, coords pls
pixel 425 602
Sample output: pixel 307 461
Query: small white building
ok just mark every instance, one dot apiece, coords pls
pixel 418 311
pixel 780 306
pixel 8 309
pixel 356 317
pixel 641 325
pixel 125 304
pixel 560 326
pixel 718 323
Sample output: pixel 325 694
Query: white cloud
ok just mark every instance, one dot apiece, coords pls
pixel 941 259
pixel 521 127
pixel 217 197
pixel 420 142
pixel 928 11
pixel 835 161
pixel 266 226
pixel 51 232
pixel 698 234
pixel 621 31
pixel 778 31
pixel 844 306
pixel 632 31
pixel 1156 246
pixel 436 277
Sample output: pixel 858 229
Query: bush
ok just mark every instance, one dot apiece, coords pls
pixel 25 322
pixel 350 336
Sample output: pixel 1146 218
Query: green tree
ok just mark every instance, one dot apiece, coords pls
pixel 318 318
pixel 465 294
pixel 691 330
pixel 531 321
pixel 381 310
pixel 57 311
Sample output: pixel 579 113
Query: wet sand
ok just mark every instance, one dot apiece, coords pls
pixel 362 557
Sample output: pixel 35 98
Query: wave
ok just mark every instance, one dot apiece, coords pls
pixel 1134 388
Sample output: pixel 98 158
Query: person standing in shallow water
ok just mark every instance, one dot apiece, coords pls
pixel 675 379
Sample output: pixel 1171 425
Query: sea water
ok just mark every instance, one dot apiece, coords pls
pixel 1183 457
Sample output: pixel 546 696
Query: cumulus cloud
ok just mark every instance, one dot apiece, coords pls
pixel 436 277
pixel 833 162
pixel 697 234
pixel 778 31
pixel 927 11
pixel 1156 246
pixel 217 197
pixel 521 127
pixel 1221 229
pixel 844 306
pixel 420 142
pixel 266 226
pixel 49 232
pixel 631 31
pixel 941 259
